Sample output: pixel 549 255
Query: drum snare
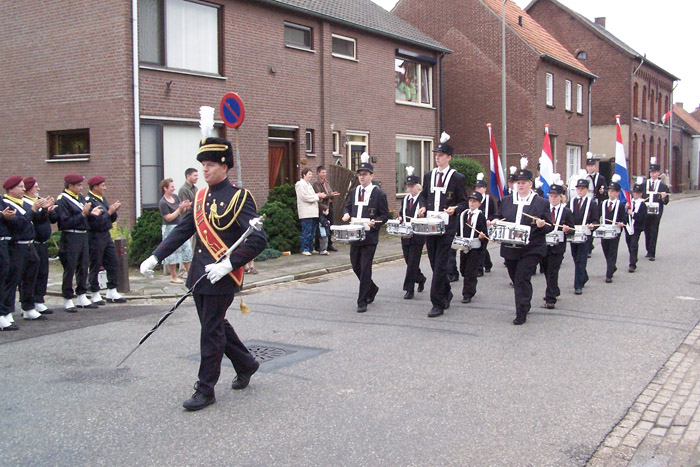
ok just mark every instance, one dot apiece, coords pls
pixel 554 238
pixel 428 226
pixel 403 230
pixel 607 232
pixel 348 233
pixel 465 243
pixel 510 233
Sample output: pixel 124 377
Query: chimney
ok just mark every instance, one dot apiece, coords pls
pixel 600 21
pixel 679 104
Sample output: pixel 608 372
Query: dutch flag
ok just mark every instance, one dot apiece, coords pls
pixel 498 178
pixel 621 163
pixel 546 164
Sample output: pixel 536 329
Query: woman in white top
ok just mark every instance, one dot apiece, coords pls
pixel 307 206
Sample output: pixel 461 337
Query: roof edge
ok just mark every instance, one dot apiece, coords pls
pixel 568 66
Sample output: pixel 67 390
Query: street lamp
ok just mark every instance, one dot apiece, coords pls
pixel 504 153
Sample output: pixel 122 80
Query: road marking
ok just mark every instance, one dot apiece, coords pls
pixel 687 298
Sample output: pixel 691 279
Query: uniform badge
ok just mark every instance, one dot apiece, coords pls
pixel 372 212
pixel 450 195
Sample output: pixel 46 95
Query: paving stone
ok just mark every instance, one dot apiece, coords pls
pixel 632 441
pixel 645 425
pixel 664 421
pixel 658 431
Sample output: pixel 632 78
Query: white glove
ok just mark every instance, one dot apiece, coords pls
pixel 216 271
pixel 148 265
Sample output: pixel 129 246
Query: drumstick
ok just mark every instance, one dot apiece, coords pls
pixel 537 218
pixel 480 233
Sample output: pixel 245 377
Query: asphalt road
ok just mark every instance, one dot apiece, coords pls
pixel 388 387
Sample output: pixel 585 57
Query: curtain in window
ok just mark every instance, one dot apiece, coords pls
pixel 274 165
pixel 408 153
pixel 425 85
pixel 192 30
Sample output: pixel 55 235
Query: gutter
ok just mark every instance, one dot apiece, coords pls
pixel 137 110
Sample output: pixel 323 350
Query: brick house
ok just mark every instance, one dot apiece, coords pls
pixel 628 84
pixel 545 83
pixel 686 140
pixel 321 82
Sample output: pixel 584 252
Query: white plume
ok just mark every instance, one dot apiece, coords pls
pixel 652 160
pixel 206 120
pixel 523 163
pixel 364 158
pixel 538 183
pixel 640 180
pixel 444 137
pixel 616 178
pixel 480 176
pixel 556 179
pixel 512 169
pixel 589 155
pixel 409 170
pixel 582 173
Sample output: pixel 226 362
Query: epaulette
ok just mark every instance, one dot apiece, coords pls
pixel 59 196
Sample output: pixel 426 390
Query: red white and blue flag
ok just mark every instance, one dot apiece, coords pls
pixel 621 163
pixel 546 164
pixel 665 118
pixel 498 178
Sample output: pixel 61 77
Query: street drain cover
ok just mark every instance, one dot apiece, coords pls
pixel 274 355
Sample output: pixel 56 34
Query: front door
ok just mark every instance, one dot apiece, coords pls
pixel 282 167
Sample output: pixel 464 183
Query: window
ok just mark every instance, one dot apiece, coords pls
pixel 69 144
pixel 309 141
pixel 635 101
pixel 651 106
pixel 651 147
pixel 567 95
pixel 343 47
pixel 582 55
pixel 179 34
pixel 297 36
pixel 666 108
pixel 579 98
pixel 573 160
pixel 634 154
pixel 413 82
pixel 415 152
pixel 658 107
pixel 358 142
pixel 644 154
pixel 644 103
pixel 549 89
pixel 336 143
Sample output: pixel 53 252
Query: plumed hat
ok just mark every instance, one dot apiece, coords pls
pixel 480 180
pixel 615 183
pixel 210 148
pixel 653 165
pixel 443 146
pixel 365 164
pixel 410 178
pixel 523 173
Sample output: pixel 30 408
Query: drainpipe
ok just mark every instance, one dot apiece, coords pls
pixel 440 114
pixel 137 119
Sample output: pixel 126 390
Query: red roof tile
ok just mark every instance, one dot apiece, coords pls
pixel 681 113
pixel 535 35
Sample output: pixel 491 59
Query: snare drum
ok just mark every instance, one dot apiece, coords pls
pixel 607 232
pixel 428 226
pixel 403 230
pixel 554 238
pixel 348 233
pixel 653 208
pixel 579 235
pixel 510 233
pixel 465 243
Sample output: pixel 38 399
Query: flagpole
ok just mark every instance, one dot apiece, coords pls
pixel 503 85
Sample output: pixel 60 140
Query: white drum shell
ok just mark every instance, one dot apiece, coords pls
pixel 510 233
pixel 607 232
pixel 555 238
pixel 403 230
pixel 465 244
pixel 348 233
pixel 653 208
pixel 428 226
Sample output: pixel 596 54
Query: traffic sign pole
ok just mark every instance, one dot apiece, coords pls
pixel 238 161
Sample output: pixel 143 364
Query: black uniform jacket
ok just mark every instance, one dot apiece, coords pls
pixel 455 195
pixel 661 186
pixel 492 207
pixel 609 216
pixel 377 208
pixel 593 215
pixel 639 216
pixel 220 194
pixel 70 214
pixel 407 214
pixel 567 218
pixel 478 222
pixel 538 207
pixel 21 226
pixel 598 182
pixel 42 222
pixel 103 222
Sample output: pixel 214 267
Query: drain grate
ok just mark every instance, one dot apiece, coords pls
pixel 263 353
pixel 274 355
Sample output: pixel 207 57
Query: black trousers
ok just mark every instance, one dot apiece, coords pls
pixel 103 253
pixel 551 265
pixel 24 264
pixel 218 338
pixel 579 252
pixel 361 257
pixel 439 248
pixel 485 256
pixel 317 240
pixel 651 233
pixel 42 275
pixel 452 263
pixel 469 265
pixel 610 251
pixel 411 254
pixel 522 270
pixel 74 254
pixel 4 272
pixel 633 246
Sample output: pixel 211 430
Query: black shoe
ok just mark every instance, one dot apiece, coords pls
pixel 242 379
pixel 480 273
pixel 435 312
pixel 370 299
pixel 11 327
pixel 198 400
pixel 48 311
pixel 361 308
pixel 632 268
pixel 578 291
pixel 608 280
pixel 408 295
pixel 421 284
pixel 332 248
pixel 71 310
pixel 549 305
pixel 99 303
pixel 116 300
pixel 487 270
pixel 453 277
pixel 466 300
pixel 91 306
pixel 449 300
pixel 518 320
pixel 651 258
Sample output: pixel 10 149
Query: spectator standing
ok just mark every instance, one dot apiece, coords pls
pixel 325 206
pixel 171 209
pixel 188 190
pixel 307 207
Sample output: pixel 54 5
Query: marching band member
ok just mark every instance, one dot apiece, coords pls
pixel 473 225
pixel 7 214
pixel 656 192
pixel 413 246
pixel 526 208
pixel 612 212
pixel 598 182
pixel 562 219
pixel 445 196
pixel 585 212
pixel 636 215
pixel 490 210
pixel 509 191
pixel 366 201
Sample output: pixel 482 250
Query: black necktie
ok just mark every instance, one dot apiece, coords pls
pixel 469 220
pixel 578 205
pixel 410 204
pixel 554 215
pixel 439 182
pixel 362 194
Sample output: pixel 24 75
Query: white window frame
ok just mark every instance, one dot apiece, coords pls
pixel 579 99
pixel 349 134
pixel 309 140
pixel 419 83
pixel 336 143
pixel 300 27
pixel 573 160
pixel 549 89
pixel 567 95
pixel 347 39
pixel 426 159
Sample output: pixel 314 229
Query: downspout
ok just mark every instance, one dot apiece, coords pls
pixel 590 85
pixel 137 122
pixel 440 113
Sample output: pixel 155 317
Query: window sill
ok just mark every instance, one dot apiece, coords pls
pixel 302 49
pixel 551 106
pixel 579 113
pixel 345 57
pixel 76 158
pixel 644 120
pixel 310 154
pixel 182 72
pixel 635 118
pixel 569 111
pixel 415 104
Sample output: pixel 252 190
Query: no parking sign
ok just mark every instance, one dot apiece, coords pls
pixel 232 110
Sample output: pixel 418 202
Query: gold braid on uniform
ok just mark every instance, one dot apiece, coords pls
pixel 236 204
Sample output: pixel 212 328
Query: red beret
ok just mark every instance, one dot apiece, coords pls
pixel 29 183
pixel 12 182
pixel 73 178
pixel 96 180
